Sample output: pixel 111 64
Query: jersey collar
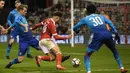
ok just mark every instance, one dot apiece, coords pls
pixel 53 21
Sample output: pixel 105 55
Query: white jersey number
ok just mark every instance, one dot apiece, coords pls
pixel 97 21
pixel 45 26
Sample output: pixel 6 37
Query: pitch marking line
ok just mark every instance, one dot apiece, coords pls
pixel 73 53
pixel 98 70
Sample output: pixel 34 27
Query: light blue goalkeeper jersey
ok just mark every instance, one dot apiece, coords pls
pixel 96 23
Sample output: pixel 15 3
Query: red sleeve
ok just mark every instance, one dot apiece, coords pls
pixel 57 37
pixel 37 25
pixel 54 33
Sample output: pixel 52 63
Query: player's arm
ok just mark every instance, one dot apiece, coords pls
pixel 113 28
pixel 1 27
pixel 18 21
pixel 77 26
pixel 10 27
pixel 110 24
pixel 25 26
pixel 9 19
pixel 12 24
pixel 56 36
pixel 37 25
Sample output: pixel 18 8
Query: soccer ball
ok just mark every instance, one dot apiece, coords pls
pixel 75 62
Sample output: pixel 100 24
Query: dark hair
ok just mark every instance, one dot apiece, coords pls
pixel 91 9
pixel 57 13
pixel 2 0
pixel 17 1
pixel 22 6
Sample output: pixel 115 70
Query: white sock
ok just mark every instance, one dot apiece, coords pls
pixel 89 72
pixel 122 68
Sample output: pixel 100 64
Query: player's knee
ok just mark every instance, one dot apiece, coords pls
pixel 58 52
pixel 52 58
pixel 11 41
pixel 20 59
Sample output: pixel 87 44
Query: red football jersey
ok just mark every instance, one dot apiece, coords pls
pixel 49 30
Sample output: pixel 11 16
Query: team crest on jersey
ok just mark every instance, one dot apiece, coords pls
pixel 20 53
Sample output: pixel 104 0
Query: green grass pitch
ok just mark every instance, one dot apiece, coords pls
pixel 101 61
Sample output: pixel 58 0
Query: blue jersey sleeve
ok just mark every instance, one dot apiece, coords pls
pixel 9 19
pixel 17 21
pixel 80 23
pixel 110 24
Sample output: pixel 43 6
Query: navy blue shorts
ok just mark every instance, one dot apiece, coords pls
pixel 13 34
pixel 100 39
pixel 23 45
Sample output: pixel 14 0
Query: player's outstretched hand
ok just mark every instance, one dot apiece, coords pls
pixel 26 29
pixel 31 28
pixel 117 37
pixel 4 31
pixel 69 36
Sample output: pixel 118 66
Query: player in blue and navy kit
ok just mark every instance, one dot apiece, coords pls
pixel 26 38
pixel 14 33
pixel 2 3
pixel 97 25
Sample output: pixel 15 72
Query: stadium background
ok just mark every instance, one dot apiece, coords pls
pixel 101 62
pixel 118 11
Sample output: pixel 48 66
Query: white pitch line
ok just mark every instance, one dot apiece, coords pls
pixel 64 71
pixel 73 53
pixel 93 70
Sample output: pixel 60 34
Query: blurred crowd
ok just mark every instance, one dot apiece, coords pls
pixel 116 13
